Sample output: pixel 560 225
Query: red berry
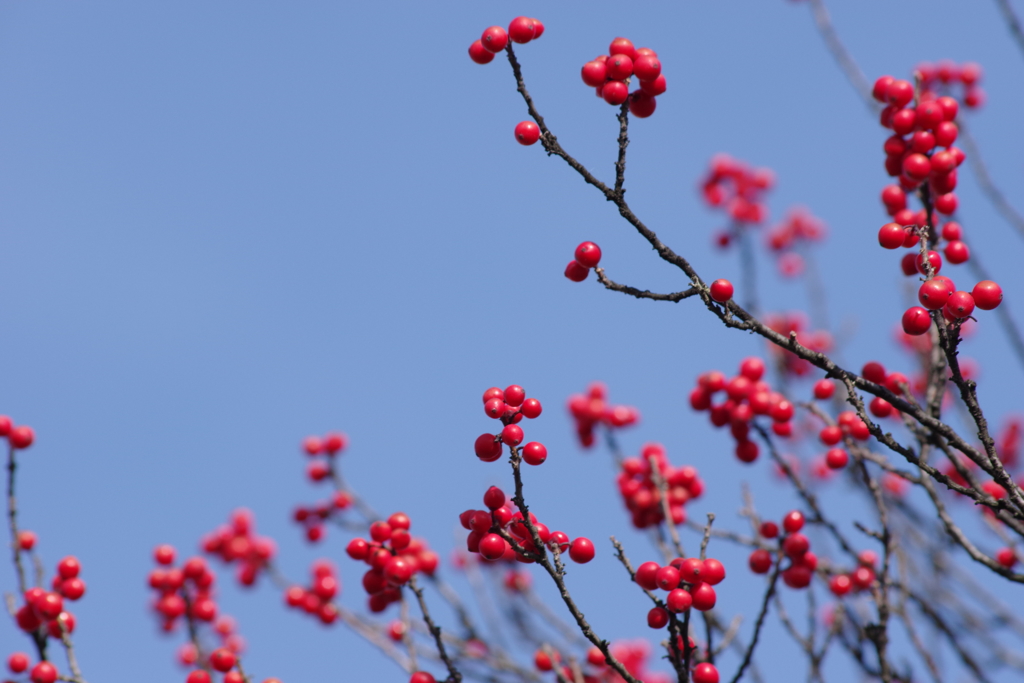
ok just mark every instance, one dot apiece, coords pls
pixel 704 597
pixel 823 389
pixel 615 92
pixel 957 252
pixel 43 672
pixel 960 305
pixel 899 92
pixel 622 46
pixel 667 578
pixel 646 575
pixel 933 294
pixel 760 561
pixel 538 28
pixel 657 617
pixel 647 67
pixel 21 437
pixel 793 522
pixel 946 133
pixel 903 121
pixel 222 659
pixel 796 545
pixel 521 30
pixel 836 458
pixel 398 571
pixel 531 408
pixel 620 67
pixel 769 529
pixel 575 272
pixel 198 676
pixel 721 291
pixel 534 453
pixel 933 258
pixel 581 550
pixel 494 39
pixel 480 54
pixel 492 546
pixel 1004 557
pixel 487 449
pixel 705 673
pixel 656 87
pixel 891 236
pixel 714 572
pixel 527 133
pixel 594 73
pixel 642 105
pixel 679 600
pixel 917 166
pixel 418 677
pixel 312 445
pixel 880 91
pixel 164 554
pixel 512 435
pixel 17 662
pixel 588 254
pixel 952 231
pixel 987 295
pixel 946 204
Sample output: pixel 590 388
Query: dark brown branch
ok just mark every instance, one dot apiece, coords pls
pixel 674 297
pixel 454 676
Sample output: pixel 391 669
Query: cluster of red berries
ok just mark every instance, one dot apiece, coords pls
pixel 587 256
pixel 510 406
pixel 800 226
pixel 689 582
pixel 592 409
pixel 796 322
pixel 223 660
pixel 860 579
pixel 317 598
pixel 18 437
pixel 940 293
pixel 494 39
pixel 44 608
pixel 940 79
pixel 609 75
pixel 237 542
pixel 188 588
pixel 330 445
pixel 394 557
pixel 43 672
pixel 640 491
pixel 484 537
pixel 914 159
pixel 795 546
pixel 226 630
pixel 312 518
pixel 746 396
pixel 738 188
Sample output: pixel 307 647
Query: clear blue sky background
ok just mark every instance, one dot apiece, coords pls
pixel 227 225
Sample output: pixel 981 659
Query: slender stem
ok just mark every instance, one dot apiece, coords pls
pixel 454 676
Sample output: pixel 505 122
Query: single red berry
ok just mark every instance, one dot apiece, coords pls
pixel 916 321
pixel 667 578
pixel 512 435
pixel 678 600
pixel 646 575
pixel 891 236
pixel 615 92
pixel 987 295
pixel 840 585
pixel 527 132
pixel 480 54
pixel 521 30
pixel 531 408
pixel 494 39
pixel 419 677
pixel 656 87
pixel 538 28
pixel 823 389
pixel 903 122
pixel 17 662
pixel 575 272
pixel 198 676
pixel 647 67
pixel 714 572
pixel 769 529
pixel 691 570
pixel 594 73
pixel 164 554
pixel 657 617
pixel 1005 557
pixel 836 458
pixel 796 545
pixel 21 437
pixel 581 550
pixel 534 453
pixel 704 597
pixel 899 92
pixel 487 448
pixel 620 67
pixel 933 258
pixel 933 294
pixel 793 521
pixel 398 571
pixel 946 204
pixel 705 673
pixel 69 567
pixel 312 445
pixel 43 672
pixel 622 46
pixel 588 254
pixel 760 561
pixel 642 105
pixel 960 305
pixel 880 91
pixel 514 395
pixel 492 546
pixel 916 166
pixel 721 291
pixel 957 252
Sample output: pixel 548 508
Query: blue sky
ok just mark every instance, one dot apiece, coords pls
pixel 230 225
